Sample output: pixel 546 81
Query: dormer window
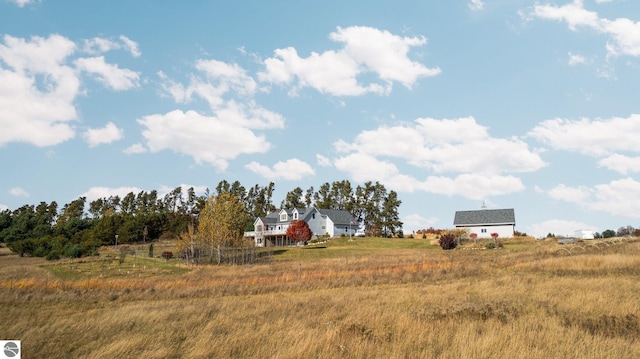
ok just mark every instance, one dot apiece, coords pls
pixel 295 215
pixel 283 216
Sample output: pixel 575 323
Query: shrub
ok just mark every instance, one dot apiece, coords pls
pixel 424 236
pixel 490 245
pixel 448 241
pixel 167 254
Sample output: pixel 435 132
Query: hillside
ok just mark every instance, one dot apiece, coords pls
pixel 368 298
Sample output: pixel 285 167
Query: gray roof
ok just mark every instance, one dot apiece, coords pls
pixel 485 217
pixel 338 216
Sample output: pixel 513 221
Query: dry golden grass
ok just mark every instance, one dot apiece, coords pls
pixel 528 300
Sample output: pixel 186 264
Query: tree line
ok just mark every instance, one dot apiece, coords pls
pixel 80 228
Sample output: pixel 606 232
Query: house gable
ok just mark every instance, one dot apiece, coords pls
pixel 283 216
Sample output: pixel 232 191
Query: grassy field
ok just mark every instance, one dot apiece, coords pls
pixel 367 298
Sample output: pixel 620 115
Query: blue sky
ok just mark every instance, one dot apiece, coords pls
pixel 524 104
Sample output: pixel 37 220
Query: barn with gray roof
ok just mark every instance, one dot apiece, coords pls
pixel 483 222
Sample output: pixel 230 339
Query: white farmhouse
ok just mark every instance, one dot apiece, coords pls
pixel 486 221
pixel 271 230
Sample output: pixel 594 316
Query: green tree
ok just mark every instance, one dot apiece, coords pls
pixel 390 219
pixel 222 223
pixel 293 199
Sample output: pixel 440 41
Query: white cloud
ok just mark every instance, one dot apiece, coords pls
pixel 562 192
pixel 481 164
pixel 557 227
pixel 476 5
pixel 365 50
pixel 135 148
pixel 33 112
pixel 621 163
pixel 219 79
pixel 362 168
pixel 619 198
pixel 448 145
pixel 624 33
pixel 592 137
pixel 99 136
pixel 38 88
pixel 290 170
pixel 3 207
pixel 207 139
pixel 111 75
pixel 22 3
pixel 100 45
pixel 221 136
pixel 18 192
pixel 576 59
pixel 130 46
pixel 323 161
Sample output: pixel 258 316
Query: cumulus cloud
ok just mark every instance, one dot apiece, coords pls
pixel 100 45
pixel 208 139
pixel 291 170
pixel 621 163
pixel 476 5
pixel 228 131
pixel 430 141
pixel 18 192
pixel 619 198
pixel 449 145
pixel 44 112
pixel 135 148
pixel 604 138
pixel 323 161
pixel 39 83
pixel 575 59
pixel 558 227
pixel 99 136
pixel 481 165
pixel 111 75
pixel 336 72
pixel 214 81
pixel 624 34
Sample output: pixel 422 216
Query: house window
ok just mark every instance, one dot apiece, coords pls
pixel 346 229
pixel 483 230
pixel 295 215
pixel 283 216
pixel 313 215
pixel 259 228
